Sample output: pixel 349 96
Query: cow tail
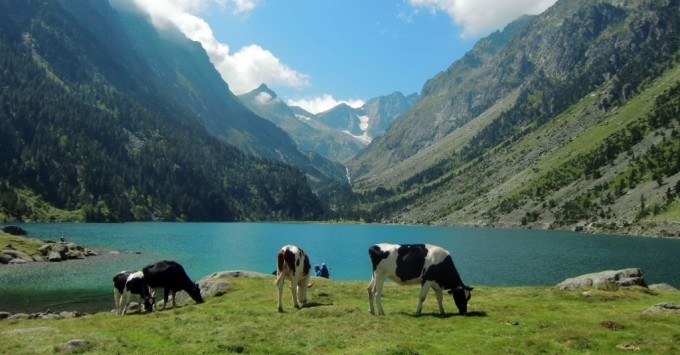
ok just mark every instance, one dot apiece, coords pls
pixel 280 262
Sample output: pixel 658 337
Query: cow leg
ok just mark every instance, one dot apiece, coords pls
pixel 380 281
pixel 280 280
pixel 302 292
pixel 371 290
pixel 293 287
pixel 423 293
pixel 173 298
pixel 118 299
pixel 127 295
pixel 166 292
pixel 440 299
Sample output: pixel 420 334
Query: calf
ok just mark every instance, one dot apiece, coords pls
pixel 125 283
pixel 293 263
pixel 171 277
pixel 424 264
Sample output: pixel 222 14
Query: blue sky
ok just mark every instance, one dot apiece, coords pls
pixel 318 53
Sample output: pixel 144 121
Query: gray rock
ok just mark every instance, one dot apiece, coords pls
pixel 17 261
pixel 75 344
pixel 5 258
pixel 625 277
pixel 54 256
pixel 213 285
pixel 662 287
pixel 61 249
pixel 662 308
pixel 17 255
pixel 45 249
pixel 70 314
pixel 75 254
pixel 90 252
pixel 19 316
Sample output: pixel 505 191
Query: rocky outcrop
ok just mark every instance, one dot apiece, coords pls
pixel 662 287
pixel 41 315
pixel 214 285
pixel 50 251
pixel 664 307
pixel 625 277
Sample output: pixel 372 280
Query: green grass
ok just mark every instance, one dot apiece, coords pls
pixel 523 320
pixel 28 246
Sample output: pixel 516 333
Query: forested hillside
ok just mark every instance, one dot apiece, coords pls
pixel 85 136
pixel 568 119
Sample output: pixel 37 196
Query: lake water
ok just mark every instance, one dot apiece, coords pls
pixel 483 256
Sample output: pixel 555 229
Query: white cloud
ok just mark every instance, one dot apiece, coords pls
pixel 479 17
pixel 323 103
pixel 265 98
pixel 243 70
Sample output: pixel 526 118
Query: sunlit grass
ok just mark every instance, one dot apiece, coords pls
pixel 244 319
pixel 28 246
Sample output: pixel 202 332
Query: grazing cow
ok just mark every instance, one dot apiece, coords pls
pixel 428 265
pixel 125 283
pixel 293 263
pixel 171 277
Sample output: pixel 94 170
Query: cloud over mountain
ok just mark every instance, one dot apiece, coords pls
pixel 479 17
pixel 244 69
pixel 323 103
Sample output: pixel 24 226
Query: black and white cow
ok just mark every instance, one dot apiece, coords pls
pixel 171 277
pixel 293 263
pixel 125 283
pixel 424 264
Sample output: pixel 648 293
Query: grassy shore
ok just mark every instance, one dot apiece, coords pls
pixel 28 246
pixel 244 319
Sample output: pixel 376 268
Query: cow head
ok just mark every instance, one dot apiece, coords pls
pixel 461 295
pixel 195 293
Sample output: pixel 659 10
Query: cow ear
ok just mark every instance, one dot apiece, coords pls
pixel 469 288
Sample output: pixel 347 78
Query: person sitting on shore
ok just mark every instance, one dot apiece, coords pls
pixel 317 270
pixel 324 271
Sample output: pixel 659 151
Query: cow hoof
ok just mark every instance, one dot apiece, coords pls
pixel 280 310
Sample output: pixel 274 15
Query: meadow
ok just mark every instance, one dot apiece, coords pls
pixel 244 319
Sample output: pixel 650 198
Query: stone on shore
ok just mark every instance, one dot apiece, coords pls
pixel 663 307
pixel 213 285
pixel 623 278
pixel 662 287
pixel 50 251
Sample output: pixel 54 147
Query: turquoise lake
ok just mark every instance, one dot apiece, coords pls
pixel 483 256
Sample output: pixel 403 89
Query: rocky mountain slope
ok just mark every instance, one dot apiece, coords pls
pixel 303 127
pixel 567 119
pixel 338 133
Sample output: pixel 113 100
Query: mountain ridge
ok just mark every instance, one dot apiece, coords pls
pixel 594 58
pixel 337 133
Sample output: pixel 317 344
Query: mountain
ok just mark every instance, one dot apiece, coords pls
pixel 302 126
pixel 568 119
pixel 105 118
pixel 337 134
pixel 370 120
pixel 383 110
